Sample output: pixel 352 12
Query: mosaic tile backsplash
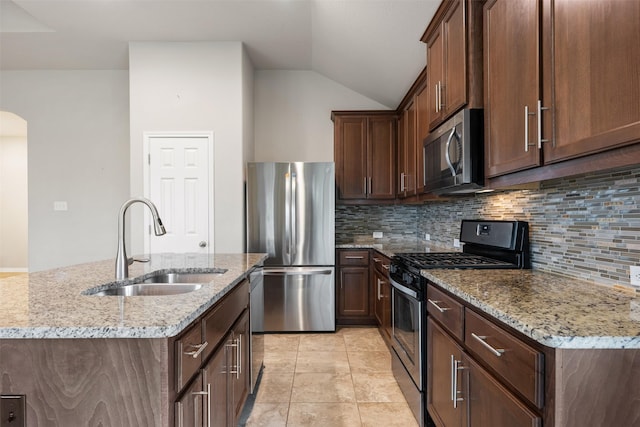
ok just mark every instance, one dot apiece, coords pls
pixel 586 227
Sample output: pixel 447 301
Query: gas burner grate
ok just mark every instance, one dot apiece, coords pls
pixel 449 260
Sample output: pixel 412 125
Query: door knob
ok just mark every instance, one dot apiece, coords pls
pixel 202 244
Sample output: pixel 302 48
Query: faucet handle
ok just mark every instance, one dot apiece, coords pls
pixel 132 260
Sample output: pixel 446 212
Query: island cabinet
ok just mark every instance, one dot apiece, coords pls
pixel 354 291
pixel 365 155
pixel 561 87
pixel 219 345
pixel 454 59
pixel 382 294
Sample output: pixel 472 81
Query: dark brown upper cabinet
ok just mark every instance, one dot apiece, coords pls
pixel 365 155
pixel 454 59
pixel 561 88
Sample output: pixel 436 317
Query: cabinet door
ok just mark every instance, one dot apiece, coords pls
pixel 239 372
pixel 351 157
pixel 435 77
pixel 591 68
pixel 381 157
pixel 454 91
pixel 444 378
pixel 191 409
pixel 378 280
pixel 353 295
pixel 512 81
pixel 216 379
pixel 422 130
pixel 402 153
pixel 490 404
pixel 407 152
pixel 386 308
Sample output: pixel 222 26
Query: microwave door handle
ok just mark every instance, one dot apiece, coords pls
pixel 446 152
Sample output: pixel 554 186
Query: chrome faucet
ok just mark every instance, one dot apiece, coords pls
pixel 122 262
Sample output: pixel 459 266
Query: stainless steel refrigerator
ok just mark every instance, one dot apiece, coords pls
pixel 291 216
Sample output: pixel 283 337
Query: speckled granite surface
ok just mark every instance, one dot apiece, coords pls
pixel 554 310
pixel 392 247
pixel 51 304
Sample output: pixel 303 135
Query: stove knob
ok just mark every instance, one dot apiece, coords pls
pixel 407 278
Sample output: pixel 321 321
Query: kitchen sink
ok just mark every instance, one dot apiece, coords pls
pixel 161 283
pixel 184 277
pixel 149 289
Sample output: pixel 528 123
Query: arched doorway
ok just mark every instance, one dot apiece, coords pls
pixel 13 195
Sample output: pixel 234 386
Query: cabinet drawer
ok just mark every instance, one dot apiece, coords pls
pixel 216 324
pixel 354 257
pixel 381 263
pixel 188 351
pixel 446 310
pixel 516 362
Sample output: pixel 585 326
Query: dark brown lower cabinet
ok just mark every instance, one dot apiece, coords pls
pixel 488 403
pixel 442 355
pixel 354 302
pixel 216 396
pixel 462 393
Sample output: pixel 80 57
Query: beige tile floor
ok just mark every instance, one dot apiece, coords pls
pixel 334 380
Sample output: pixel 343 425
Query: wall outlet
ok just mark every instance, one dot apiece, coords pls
pixel 377 234
pixel 634 275
pixel 13 411
pixel 456 243
pixel 60 206
pixel 427 236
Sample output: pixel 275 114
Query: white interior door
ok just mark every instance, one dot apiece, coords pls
pixel 179 184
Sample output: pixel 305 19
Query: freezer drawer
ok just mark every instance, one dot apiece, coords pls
pixel 299 299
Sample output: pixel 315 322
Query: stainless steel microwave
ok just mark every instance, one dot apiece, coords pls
pixel 454 155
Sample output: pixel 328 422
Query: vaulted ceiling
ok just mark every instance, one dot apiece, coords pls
pixel 370 46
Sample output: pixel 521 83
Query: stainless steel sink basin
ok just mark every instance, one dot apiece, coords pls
pixel 161 284
pixel 150 289
pixel 183 277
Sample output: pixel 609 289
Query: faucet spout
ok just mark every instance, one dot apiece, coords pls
pixel 122 262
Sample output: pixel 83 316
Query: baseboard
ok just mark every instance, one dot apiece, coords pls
pixel 13 270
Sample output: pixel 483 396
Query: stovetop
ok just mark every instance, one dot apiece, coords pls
pixel 451 260
pixel 487 244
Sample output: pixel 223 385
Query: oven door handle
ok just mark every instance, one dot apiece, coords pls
pixel 404 289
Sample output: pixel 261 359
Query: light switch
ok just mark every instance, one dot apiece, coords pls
pixel 60 206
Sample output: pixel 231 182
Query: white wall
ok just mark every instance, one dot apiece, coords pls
pixel 77 152
pixel 13 203
pixel 293 114
pixel 193 86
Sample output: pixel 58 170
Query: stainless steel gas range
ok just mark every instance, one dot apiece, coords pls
pixel 486 244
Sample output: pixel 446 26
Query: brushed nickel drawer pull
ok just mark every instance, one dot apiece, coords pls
pixel 497 351
pixel 435 304
pixel 197 349
pixel 353 257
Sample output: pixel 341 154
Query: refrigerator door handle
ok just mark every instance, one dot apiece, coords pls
pixel 296 271
pixel 287 218
pixel 294 214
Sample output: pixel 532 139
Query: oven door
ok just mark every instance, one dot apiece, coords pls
pixel 407 329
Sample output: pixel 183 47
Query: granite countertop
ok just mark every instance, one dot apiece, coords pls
pixel 51 304
pixel 390 247
pixel 554 310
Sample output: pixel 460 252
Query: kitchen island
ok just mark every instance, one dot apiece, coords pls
pixel 105 360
